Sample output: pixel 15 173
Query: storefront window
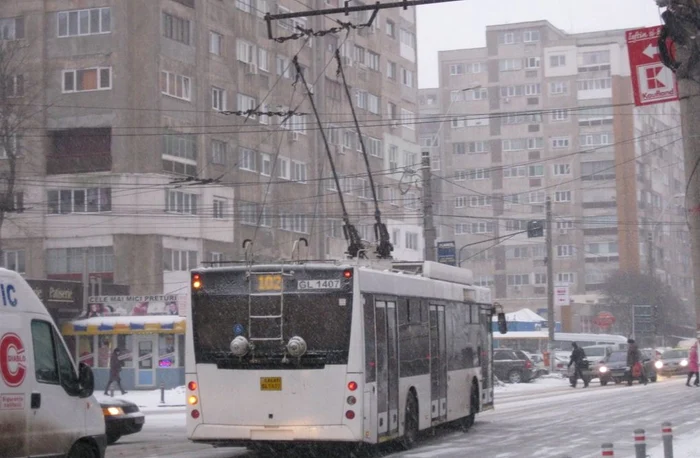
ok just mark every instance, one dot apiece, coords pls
pixel 166 350
pixel 126 344
pixel 86 350
pixel 104 350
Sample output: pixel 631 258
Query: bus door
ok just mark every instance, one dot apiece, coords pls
pixel 485 356
pixel 387 368
pixel 438 363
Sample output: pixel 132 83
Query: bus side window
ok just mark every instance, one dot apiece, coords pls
pixel 370 350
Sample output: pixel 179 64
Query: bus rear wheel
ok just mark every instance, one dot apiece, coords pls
pixel 410 430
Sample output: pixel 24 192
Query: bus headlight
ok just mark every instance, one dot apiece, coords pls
pixel 296 347
pixel 658 364
pixel 239 346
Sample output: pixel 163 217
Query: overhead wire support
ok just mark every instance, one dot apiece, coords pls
pixel 384 247
pixel 346 10
pixel 355 246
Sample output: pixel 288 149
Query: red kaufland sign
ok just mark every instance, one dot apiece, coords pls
pixel 652 81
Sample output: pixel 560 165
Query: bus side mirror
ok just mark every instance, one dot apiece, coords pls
pixel 502 324
pixel 86 380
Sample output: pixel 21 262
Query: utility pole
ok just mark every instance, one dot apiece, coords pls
pixel 86 281
pixel 550 283
pixel 429 233
pixel 681 29
pixel 650 253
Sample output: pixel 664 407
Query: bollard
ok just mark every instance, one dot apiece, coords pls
pixel 162 393
pixel 667 435
pixel 640 444
pixel 607 450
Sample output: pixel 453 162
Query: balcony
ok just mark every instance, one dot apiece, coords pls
pixel 80 150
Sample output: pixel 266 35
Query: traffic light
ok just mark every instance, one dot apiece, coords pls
pixel 535 228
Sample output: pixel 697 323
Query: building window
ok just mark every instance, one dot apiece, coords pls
pixel 12 28
pixel 180 202
pixel 89 79
pixel 558 60
pixel 265 165
pixel 14 260
pixel 407 77
pixel 179 260
pixel 175 85
pixel 180 154
pixel 283 66
pixel 391 70
pixel 407 119
pixel 480 94
pixel 456 69
pixel 393 158
pixel 597 139
pixel 480 201
pixel 391 29
pixel 246 52
pixel 216 257
pixel 559 88
pixel 509 65
pixel 218 152
pixel 531 36
pixel 84 22
pixel 220 206
pixel 299 172
pixel 535 171
pixel 216 43
pixel 566 251
pixel 263 60
pixel 566 278
pixel 283 168
pixel 518 279
pixel 176 28
pixel 70 260
pixel 88 200
pixel 565 224
pixel 218 99
pixel 13 86
pixel 540 279
pixel 562 169
pixel 562 196
pixel 408 38
pixel 411 241
pixel 247 160
pixel 246 104
pixel 560 115
pixel 244 5
pixel 506 38
pixel 560 142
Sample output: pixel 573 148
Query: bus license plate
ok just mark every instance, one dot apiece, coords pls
pixel 270 383
pixel 318 284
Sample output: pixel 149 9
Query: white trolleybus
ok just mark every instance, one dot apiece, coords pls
pixel 335 353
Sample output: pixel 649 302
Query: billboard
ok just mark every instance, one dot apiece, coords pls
pixel 136 305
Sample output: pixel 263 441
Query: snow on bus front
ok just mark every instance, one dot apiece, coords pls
pixel 271 348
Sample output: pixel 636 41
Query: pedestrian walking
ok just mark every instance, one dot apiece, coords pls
pixel 578 360
pixel 115 369
pixel 693 365
pixel 634 363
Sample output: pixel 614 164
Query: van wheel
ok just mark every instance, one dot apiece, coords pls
pixel 112 438
pixel 410 430
pixel 82 450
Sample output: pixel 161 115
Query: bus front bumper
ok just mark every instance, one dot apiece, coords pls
pixel 225 435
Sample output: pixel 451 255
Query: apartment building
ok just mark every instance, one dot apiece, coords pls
pixel 134 160
pixel 540 113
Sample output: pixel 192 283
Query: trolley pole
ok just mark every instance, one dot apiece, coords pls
pixel 550 284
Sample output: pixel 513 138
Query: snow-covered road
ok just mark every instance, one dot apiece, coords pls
pixel 545 419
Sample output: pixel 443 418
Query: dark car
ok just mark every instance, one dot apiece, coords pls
pixel 121 418
pixel 674 362
pixel 513 366
pixel 614 368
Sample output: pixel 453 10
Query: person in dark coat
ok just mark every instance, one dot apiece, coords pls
pixel 634 356
pixel 115 369
pixel 578 359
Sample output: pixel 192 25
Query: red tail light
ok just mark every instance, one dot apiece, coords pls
pixel 192 386
pixel 349 414
pixel 195 414
pixel 528 364
pixel 352 386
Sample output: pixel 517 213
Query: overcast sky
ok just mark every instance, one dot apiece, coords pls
pixel 462 24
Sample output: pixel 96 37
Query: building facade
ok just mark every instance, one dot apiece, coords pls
pixel 135 161
pixel 539 113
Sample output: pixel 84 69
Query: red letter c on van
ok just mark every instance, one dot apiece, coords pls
pixel 12 360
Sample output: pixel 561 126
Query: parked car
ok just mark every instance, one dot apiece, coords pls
pixel 121 418
pixel 513 366
pixel 674 362
pixel 614 368
pixel 538 361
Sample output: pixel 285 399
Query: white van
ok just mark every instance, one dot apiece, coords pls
pixel 46 405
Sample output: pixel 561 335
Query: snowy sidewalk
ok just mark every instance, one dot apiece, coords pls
pixel 149 401
pixel 684 446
